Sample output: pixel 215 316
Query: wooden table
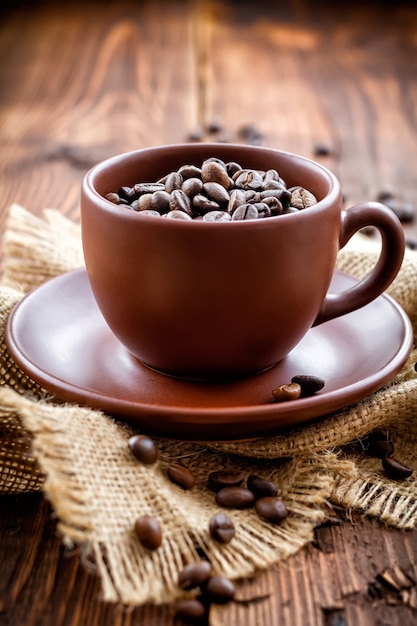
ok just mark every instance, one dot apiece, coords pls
pixel 80 81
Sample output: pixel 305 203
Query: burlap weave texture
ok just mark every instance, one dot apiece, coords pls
pixel 80 458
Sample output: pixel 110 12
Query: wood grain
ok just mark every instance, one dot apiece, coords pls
pixel 80 81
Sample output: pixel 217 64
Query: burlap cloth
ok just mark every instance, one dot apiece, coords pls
pixel 80 458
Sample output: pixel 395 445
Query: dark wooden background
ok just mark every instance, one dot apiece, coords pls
pixel 80 81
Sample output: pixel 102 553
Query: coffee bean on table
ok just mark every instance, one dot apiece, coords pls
pixel 271 509
pixel 260 487
pixel 396 469
pixel 219 590
pixel 194 575
pixel 143 448
pixel 221 528
pixel 148 531
pixel 235 498
pixel 190 609
pixel 309 384
pixel 181 476
pixel 288 391
pixel 225 478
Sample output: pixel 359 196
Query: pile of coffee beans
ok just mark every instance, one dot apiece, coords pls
pixel 301 386
pixel 215 192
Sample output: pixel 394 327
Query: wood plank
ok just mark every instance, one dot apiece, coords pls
pixel 86 81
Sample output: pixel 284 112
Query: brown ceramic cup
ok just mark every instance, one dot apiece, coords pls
pixel 214 299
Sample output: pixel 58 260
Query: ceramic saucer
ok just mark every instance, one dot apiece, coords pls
pixel 57 335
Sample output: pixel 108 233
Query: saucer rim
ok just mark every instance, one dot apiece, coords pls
pixel 290 414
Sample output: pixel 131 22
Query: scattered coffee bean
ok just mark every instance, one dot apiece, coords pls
pixel 218 480
pixel 221 528
pixel 194 575
pixel 235 498
pixel 260 487
pixel 309 384
pixel 181 476
pixel 322 149
pixel 288 391
pixel 143 448
pixel 411 243
pixel 190 609
pixel 241 193
pixel 148 531
pixel 219 590
pixel 271 509
pixel 378 444
pixel 396 469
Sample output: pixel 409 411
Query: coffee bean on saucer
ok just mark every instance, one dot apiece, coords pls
pixel 309 384
pixel 271 509
pixel 288 391
pixel 219 590
pixel 190 609
pixel 148 531
pixel 260 487
pixel 143 448
pixel 396 469
pixel 235 497
pixel 194 575
pixel 181 476
pixel 221 528
pixel 227 478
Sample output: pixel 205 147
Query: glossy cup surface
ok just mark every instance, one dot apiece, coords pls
pixel 212 299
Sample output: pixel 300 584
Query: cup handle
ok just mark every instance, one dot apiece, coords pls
pixel 386 268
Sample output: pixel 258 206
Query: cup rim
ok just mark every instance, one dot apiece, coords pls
pixel 89 189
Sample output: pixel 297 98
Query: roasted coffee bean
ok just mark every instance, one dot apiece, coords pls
pixel 260 487
pixel 219 590
pixel 145 202
pixel 283 195
pixel 173 181
pixel 378 444
pixel 270 184
pixel 274 204
pixel 221 528
pixel 235 498
pixel 309 384
pixel 225 478
pixel 160 201
pixel 271 509
pixel 411 243
pixel 232 167
pixel 288 391
pixel 322 149
pixel 263 209
pixel 403 210
pixel 127 192
pixel 248 179
pixel 150 212
pixel 272 174
pixel 181 476
pixel 194 574
pixel 192 186
pixel 141 188
pixel 148 531
pixel 236 199
pixel 203 205
pixel 189 171
pixel 245 212
pixel 214 172
pixel 177 215
pixel 302 199
pixel 190 609
pixel 216 192
pixel 396 469
pixel 113 197
pixel 179 201
pixel 217 216
pixel 144 449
